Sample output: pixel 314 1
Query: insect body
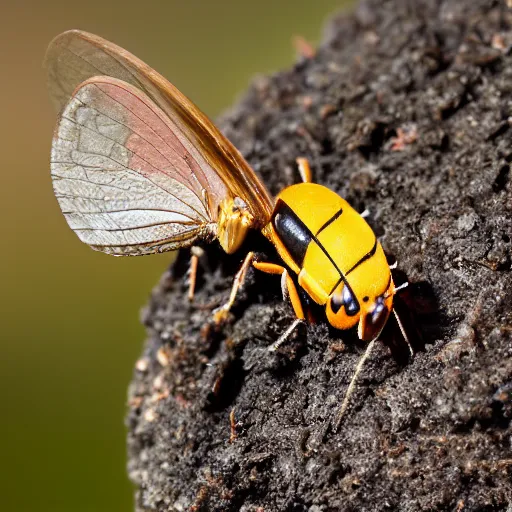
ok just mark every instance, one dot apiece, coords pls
pixel 337 258
pixel 137 168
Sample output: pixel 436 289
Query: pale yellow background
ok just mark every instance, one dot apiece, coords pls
pixel 69 316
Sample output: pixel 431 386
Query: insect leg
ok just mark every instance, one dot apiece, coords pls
pixel 220 315
pixel 290 289
pixel 304 170
pixel 195 254
pixel 286 334
pixel 402 330
pixel 352 384
pixel 395 290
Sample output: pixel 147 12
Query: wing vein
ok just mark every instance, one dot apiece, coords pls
pixel 157 135
pixel 127 149
pixel 121 210
pixel 128 169
pixel 142 226
pixel 183 236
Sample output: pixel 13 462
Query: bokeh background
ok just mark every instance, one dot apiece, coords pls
pixel 69 316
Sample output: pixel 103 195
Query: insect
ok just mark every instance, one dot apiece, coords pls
pixel 137 169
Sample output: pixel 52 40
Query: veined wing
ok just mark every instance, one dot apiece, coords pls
pixel 76 56
pixel 125 180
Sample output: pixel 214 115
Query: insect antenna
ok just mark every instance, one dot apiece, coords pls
pixel 400 288
pixel 352 384
pixel 398 321
pixel 402 330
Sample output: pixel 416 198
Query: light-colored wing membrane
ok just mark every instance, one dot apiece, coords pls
pixel 76 56
pixel 123 174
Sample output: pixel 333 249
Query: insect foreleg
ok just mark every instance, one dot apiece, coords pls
pixel 220 315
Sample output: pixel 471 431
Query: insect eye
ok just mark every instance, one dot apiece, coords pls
pixel 347 299
pixel 350 302
pixel 379 311
pixel 336 302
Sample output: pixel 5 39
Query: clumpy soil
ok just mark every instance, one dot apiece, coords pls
pixel 404 110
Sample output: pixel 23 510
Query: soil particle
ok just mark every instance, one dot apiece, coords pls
pixel 405 109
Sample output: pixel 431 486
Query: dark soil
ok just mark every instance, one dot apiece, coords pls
pixel 405 110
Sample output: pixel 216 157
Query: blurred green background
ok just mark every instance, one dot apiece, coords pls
pixel 70 331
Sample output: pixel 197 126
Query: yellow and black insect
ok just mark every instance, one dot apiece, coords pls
pixel 137 168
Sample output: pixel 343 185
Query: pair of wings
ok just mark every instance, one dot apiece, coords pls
pixel 137 168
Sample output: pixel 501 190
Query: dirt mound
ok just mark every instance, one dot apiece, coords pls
pixel 404 110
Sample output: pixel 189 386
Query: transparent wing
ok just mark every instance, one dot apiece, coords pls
pixel 76 56
pixel 125 180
